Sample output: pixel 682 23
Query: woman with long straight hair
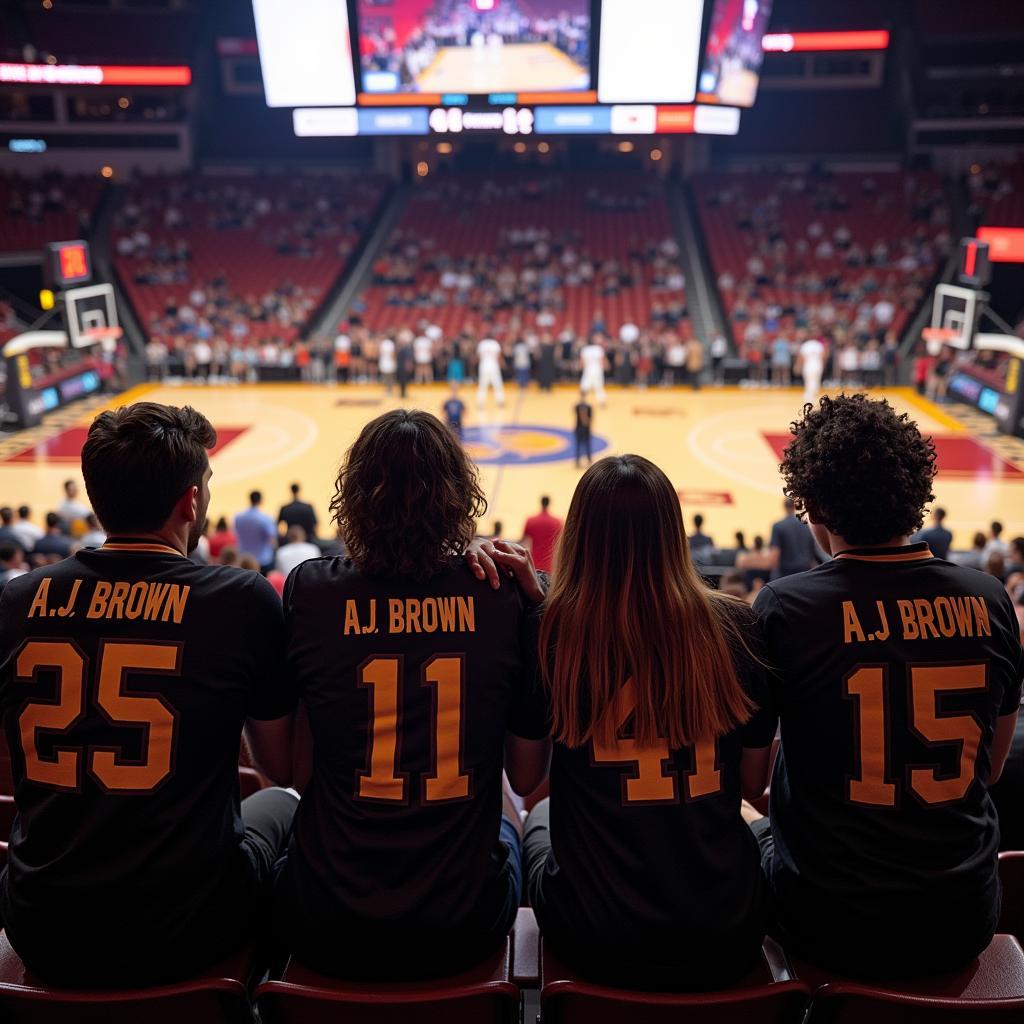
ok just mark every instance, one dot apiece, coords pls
pixel 641 869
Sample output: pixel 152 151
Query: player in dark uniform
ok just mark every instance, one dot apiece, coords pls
pixel 418 684
pixel 454 410
pixel 126 674
pixel 584 428
pixel 898 678
pixel 640 868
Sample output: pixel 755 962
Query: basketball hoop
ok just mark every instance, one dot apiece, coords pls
pixel 107 337
pixel 936 337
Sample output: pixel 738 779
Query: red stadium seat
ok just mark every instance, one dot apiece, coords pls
pixel 769 996
pixel 217 996
pixel 483 995
pixel 1011 874
pixel 989 989
pixel 251 781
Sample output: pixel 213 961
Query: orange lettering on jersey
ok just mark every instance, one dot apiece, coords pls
pixel 38 606
pixel 412 616
pixel 115 608
pixel 962 612
pixel 944 616
pixel 926 619
pixel 467 615
pixel 882 633
pixel 446 612
pixel 351 618
pixel 136 600
pixel 981 616
pixel 69 607
pixel 175 606
pixel 851 624
pixel 429 613
pixel 910 627
pixel 397 615
pixel 371 626
pixel 98 605
pixel 155 601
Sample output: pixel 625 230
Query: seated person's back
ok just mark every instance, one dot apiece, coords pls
pixel 411 673
pixel 897 684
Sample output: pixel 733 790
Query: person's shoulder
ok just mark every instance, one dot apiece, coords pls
pixel 799 583
pixel 326 571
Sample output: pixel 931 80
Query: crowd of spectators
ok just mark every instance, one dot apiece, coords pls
pixel 43 208
pixel 843 257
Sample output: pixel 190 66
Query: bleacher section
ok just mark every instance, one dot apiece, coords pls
pixel 996 192
pixel 819 252
pixel 45 208
pixel 255 254
pixel 552 249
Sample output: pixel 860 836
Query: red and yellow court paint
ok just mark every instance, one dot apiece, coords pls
pixel 720 447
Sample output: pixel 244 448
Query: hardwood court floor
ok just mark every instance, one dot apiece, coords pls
pixel 514 67
pixel 719 446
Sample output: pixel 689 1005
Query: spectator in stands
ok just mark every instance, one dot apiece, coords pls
pixel 7 531
pixel 756 564
pixel 82 906
pixel 257 533
pixel 540 535
pixel 222 537
pixel 701 545
pixel 995 545
pixel 791 544
pixel 94 535
pixel 299 513
pixel 856 795
pixel 12 562
pixel 696 699
pixel 71 511
pixel 936 536
pixel 975 558
pixel 1015 561
pixel 54 544
pixel 294 551
pixel 406 500
pixel 27 531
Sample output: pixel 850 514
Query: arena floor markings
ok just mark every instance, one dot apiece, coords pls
pixel 514 67
pixel 719 446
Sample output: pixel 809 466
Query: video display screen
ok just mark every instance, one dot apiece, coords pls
pixel 474 46
pixel 420 67
pixel 734 53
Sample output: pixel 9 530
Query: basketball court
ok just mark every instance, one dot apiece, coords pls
pixel 720 447
pixel 511 67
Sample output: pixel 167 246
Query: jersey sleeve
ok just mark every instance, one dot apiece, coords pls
pixel 272 696
pixel 759 730
pixel 530 714
pixel 771 626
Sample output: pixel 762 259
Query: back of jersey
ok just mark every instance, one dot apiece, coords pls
pixel 410 688
pixel 893 667
pixel 125 677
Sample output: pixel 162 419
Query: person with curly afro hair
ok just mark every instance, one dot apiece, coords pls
pixel 897 679
pixel 418 682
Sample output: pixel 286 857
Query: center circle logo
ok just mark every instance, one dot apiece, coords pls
pixel 524 445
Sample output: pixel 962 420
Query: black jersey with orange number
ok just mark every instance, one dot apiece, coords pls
pixel 650 862
pixel 410 688
pixel 891 668
pixel 126 674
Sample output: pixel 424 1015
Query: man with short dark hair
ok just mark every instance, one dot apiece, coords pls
pixel 71 510
pixel 257 533
pixel 701 545
pixel 584 429
pixel 7 531
pixel 54 544
pixel 126 676
pixel 936 536
pixel 897 677
pixel 27 531
pixel 299 513
pixel 791 544
pixel 12 562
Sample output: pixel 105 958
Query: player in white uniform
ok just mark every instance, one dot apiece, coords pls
pixel 387 363
pixel 812 365
pixel 423 355
pixel 488 372
pixel 593 360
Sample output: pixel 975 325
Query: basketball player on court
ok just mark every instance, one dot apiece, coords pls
pixel 126 675
pixel 489 364
pixel 897 677
pixel 811 365
pixel 454 410
pixel 419 684
pixel 584 412
pixel 594 363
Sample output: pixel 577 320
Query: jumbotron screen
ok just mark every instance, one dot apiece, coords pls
pixel 420 67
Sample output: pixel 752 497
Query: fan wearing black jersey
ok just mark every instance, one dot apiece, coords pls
pixel 126 675
pixel 420 685
pixel 897 677
pixel 640 867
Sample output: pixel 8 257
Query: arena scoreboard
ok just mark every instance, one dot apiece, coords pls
pixel 513 67
pixel 68 264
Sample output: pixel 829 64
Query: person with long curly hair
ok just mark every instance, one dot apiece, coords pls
pixel 418 687
pixel 641 869
pixel 897 676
